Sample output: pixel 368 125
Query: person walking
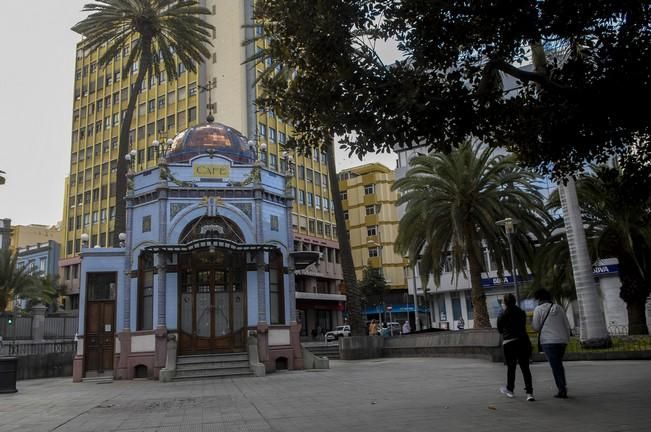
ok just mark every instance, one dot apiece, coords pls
pixel 372 328
pixel 517 346
pixel 550 321
pixel 406 328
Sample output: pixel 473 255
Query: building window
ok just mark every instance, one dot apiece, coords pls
pixel 309 175
pixel 151 105
pixel 276 288
pixel 311 225
pixel 371 230
pixel 301 172
pixel 369 189
pixel 343 195
pixel 102 215
pixel 273 161
pixel 317 202
pixel 192 114
pixel 274 223
pixel 301 197
pixel 282 137
pixel 328 232
pixel 262 130
pixel 181 94
pixel 192 89
pixel 345 214
pixel 272 134
pixel 469 309
pixel 456 306
pixel 325 204
pixel 146 224
pixel 310 199
pixel 373 252
pixel 146 293
pixel 370 210
pixel 443 315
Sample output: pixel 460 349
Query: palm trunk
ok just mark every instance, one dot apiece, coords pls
pixel 594 332
pixel 633 291
pixel 123 146
pixel 480 311
pixel 347 264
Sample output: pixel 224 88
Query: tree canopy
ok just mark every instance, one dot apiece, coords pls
pixel 458 64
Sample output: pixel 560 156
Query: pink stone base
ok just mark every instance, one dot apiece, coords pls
pixel 292 352
pixel 78 369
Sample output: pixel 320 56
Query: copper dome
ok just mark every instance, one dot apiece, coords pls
pixel 209 138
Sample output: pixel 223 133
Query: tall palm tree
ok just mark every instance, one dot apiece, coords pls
pixel 13 280
pixel 593 330
pixel 453 201
pixel 353 297
pixel 153 31
pixel 620 226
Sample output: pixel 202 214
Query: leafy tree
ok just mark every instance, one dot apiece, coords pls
pixel 455 56
pixel 373 285
pixel 158 34
pixel 453 201
pixel 13 280
pixel 621 227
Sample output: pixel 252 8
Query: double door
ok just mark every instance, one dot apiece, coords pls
pixel 212 315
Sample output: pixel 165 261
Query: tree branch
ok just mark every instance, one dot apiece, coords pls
pixel 523 75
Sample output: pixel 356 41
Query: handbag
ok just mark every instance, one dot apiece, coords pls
pixel 541 327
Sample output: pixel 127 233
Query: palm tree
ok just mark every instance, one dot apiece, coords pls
pixel 13 280
pixel 619 223
pixel 153 31
pixel 453 201
pixel 353 298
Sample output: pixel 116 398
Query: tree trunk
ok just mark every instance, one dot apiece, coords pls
pixel 123 147
pixel 347 264
pixel 480 311
pixel 594 333
pixel 634 292
pixel 637 324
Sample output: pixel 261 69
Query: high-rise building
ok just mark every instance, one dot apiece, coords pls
pixel 372 222
pixel 166 108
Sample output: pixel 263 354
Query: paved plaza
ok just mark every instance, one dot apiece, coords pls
pixel 419 394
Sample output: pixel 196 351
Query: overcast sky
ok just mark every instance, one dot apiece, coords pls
pixel 36 88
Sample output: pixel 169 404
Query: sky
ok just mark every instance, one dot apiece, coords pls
pixel 36 88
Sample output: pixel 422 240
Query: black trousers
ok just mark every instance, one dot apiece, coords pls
pixel 518 352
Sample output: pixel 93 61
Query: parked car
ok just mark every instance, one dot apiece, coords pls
pixel 339 331
pixel 385 329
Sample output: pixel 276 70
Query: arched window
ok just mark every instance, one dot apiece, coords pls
pixel 212 227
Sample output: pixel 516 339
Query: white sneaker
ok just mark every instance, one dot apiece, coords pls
pixel 506 392
pixel 530 397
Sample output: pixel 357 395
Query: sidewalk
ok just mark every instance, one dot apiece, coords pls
pixel 395 394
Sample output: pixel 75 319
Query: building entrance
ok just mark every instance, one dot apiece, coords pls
pixel 212 302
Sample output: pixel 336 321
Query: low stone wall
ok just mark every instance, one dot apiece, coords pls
pixel 361 347
pixel 45 365
pixel 482 344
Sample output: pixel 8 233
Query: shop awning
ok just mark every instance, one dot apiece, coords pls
pixel 208 243
pixel 395 308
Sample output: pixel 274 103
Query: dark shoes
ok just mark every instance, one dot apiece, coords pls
pixel 561 394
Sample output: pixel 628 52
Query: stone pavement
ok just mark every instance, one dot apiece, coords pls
pixel 393 394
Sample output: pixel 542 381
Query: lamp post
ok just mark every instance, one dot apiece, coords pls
pixel 508 225
pixel 161 148
pixel 416 322
pixel 373 243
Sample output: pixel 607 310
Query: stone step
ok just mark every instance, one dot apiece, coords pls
pixel 98 380
pixel 213 365
pixel 208 358
pixel 211 373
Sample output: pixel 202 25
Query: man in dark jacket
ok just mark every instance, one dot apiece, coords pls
pixel 517 347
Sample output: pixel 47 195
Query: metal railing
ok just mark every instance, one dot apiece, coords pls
pixel 39 348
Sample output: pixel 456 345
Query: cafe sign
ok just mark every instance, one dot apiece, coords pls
pixel 211 171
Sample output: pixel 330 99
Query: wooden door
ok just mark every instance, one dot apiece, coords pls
pixel 100 336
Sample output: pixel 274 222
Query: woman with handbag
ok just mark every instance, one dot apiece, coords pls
pixel 550 321
pixel 517 346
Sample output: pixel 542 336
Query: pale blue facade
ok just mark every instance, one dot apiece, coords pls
pixel 206 259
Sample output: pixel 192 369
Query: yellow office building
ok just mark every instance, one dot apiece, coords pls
pixel 372 221
pixel 166 108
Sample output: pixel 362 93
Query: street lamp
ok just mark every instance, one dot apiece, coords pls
pixel 508 225
pixel 161 148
